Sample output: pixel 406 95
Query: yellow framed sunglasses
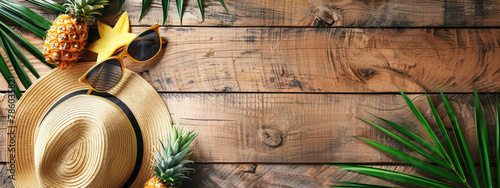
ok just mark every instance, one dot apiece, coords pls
pixel 107 73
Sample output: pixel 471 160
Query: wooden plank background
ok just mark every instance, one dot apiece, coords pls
pixel 314 13
pixel 275 87
pixel 352 60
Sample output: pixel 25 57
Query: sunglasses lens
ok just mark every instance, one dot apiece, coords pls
pixel 145 46
pixel 105 76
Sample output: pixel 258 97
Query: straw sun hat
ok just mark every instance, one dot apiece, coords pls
pixel 62 137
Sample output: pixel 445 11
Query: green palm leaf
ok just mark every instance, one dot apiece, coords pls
pixel 20 55
pixel 498 142
pixel 24 43
pixel 15 63
pixel 408 133
pixel 200 4
pixel 4 69
pixel 394 175
pixel 410 145
pixel 120 4
pixel 463 148
pixel 420 117
pixel 415 162
pixel 456 158
pixel 145 6
pixel 455 161
pixel 26 14
pixel 49 4
pixel 223 5
pixel 165 4
pixel 180 8
pixel 349 184
pixel 482 141
pixel 28 25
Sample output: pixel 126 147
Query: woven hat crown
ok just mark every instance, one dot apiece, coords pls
pixel 85 141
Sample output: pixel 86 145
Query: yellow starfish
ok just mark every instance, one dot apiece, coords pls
pixel 112 38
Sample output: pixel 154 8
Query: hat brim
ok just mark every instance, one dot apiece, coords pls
pixel 140 97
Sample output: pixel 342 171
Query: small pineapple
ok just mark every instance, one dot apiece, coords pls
pixel 169 165
pixel 67 36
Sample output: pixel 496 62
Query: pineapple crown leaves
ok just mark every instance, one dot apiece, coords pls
pixel 85 10
pixel 169 165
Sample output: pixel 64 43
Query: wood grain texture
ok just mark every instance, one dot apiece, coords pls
pixel 313 13
pixel 5 181
pixel 350 60
pixel 280 175
pixel 311 128
pixel 269 175
pixel 4 117
pixel 314 128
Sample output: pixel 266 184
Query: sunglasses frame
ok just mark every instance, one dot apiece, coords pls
pixel 119 57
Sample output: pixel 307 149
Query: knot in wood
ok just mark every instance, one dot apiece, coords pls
pixel 270 137
pixel 326 14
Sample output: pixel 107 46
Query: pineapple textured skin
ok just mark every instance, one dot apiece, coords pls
pixel 67 36
pixel 65 41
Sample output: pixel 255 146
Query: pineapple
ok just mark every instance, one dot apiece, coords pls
pixel 67 36
pixel 169 165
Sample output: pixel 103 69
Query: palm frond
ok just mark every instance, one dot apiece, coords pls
pixel 145 6
pixel 49 4
pixel 4 69
pixel 22 22
pixel 26 14
pixel 410 145
pixel 24 17
pixel 415 162
pixel 200 4
pixel 19 54
pixel 120 4
pixel 421 119
pixel 456 153
pixel 498 141
pixel 455 161
pixel 463 147
pixel 15 63
pixel 165 5
pixel 223 5
pixel 417 132
pixel 394 175
pixel 24 43
pixel 180 8
pixel 350 184
pixel 408 133
pixel 482 141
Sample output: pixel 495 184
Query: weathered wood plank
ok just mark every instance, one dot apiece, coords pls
pixel 315 13
pixel 287 175
pixel 269 175
pixel 319 60
pixel 5 110
pixel 300 128
pixel 5 181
